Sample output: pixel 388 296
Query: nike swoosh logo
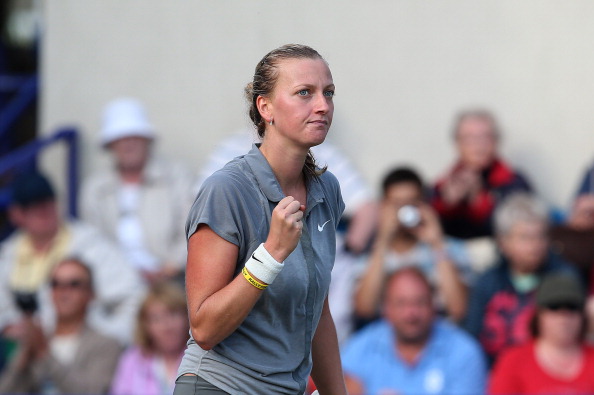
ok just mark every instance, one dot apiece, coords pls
pixel 321 228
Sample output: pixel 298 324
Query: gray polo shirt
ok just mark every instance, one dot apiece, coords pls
pixel 270 352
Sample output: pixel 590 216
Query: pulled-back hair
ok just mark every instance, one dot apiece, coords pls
pixel 263 83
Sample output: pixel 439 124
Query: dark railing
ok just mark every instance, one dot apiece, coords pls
pixel 18 94
pixel 26 157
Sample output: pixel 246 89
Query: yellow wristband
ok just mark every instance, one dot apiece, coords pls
pixel 252 280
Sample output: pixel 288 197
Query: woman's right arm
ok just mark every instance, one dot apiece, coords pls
pixel 217 302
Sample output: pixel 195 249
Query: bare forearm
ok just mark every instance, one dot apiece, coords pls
pixel 327 368
pixel 452 288
pixel 221 313
pixel 368 291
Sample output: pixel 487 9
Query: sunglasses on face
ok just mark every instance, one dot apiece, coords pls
pixel 71 284
pixel 563 306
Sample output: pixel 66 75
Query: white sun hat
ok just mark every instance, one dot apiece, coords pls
pixel 125 117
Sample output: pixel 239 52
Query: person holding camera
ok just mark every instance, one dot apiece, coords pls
pixel 409 234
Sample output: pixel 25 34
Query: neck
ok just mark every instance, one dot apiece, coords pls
pixel 70 326
pixel 286 163
pixel 410 351
pixel 131 176
pixel 170 357
pixel 558 347
pixel 42 243
pixel 403 242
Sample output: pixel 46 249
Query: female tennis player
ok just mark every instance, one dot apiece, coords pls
pixel 261 246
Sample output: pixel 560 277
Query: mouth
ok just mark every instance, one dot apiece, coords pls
pixel 319 122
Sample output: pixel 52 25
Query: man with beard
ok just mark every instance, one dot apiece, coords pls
pixel 410 351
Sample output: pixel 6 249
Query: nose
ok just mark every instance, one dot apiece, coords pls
pixel 322 104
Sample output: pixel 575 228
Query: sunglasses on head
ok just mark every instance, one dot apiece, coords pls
pixel 71 284
pixel 563 306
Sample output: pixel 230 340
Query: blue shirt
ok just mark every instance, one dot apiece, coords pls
pixel 451 363
pixel 270 352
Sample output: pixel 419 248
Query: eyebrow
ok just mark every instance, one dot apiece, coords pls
pixel 301 86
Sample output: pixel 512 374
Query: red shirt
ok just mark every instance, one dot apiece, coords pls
pixel 518 372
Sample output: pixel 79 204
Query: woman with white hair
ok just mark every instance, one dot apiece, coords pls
pixel 502 301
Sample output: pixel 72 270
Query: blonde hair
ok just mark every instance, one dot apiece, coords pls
pixel 171 295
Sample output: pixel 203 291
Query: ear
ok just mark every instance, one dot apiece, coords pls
pixel 265 108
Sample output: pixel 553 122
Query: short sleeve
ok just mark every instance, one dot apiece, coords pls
pixel 222 205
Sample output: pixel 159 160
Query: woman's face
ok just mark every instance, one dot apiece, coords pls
pixel 167 328
pixel 561 325
pixel 301 103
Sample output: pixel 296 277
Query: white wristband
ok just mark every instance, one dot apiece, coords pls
pixel 263 266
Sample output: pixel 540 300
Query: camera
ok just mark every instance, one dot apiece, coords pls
pixel 26 301
pixel 409 216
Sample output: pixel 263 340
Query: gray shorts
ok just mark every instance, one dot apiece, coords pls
pixel 195 385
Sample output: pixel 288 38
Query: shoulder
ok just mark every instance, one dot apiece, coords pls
pixel 133 354
pixel 102 343
pixel 457 339
pixel 589 352
pixel 233 183
pixel 492 279
pixel 82 232
pixel 9 244
pixel 375 334
pixel 234 175
pixel 329 180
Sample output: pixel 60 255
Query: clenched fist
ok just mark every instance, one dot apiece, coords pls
pixel 285 228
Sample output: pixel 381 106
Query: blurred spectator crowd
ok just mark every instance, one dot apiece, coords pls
pixel 466 285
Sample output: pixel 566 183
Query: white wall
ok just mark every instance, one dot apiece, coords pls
pixel 402 70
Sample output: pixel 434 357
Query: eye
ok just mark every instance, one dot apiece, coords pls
pixel 329 93
pixel 303 92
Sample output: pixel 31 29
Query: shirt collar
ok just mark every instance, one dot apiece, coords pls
pixel 269 184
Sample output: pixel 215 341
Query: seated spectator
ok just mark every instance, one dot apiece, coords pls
pixel 422 244
pixel 74 359
pixel 410 351
pixel 556 361
pixel 467 195
pixel 573 239
pixel 141 203
pixel 150 367
pixel 502 301
pixel 43 239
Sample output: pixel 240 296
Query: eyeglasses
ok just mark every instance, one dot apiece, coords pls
pixel 563 306
pixel 71 284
